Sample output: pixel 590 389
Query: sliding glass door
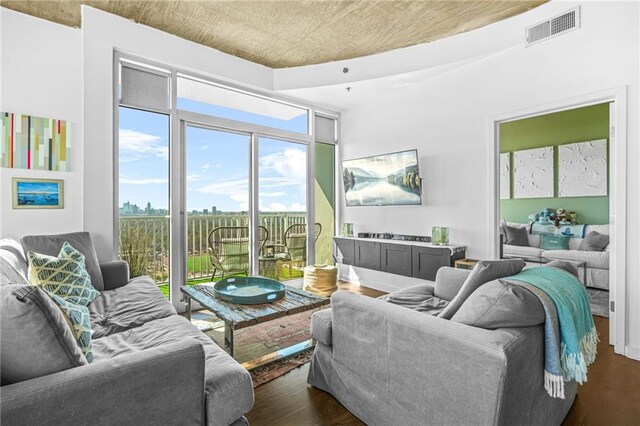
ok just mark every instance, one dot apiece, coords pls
pixel 216 178
pixel 282 195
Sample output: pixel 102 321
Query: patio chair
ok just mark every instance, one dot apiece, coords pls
pixel 294 250
pixel 229 249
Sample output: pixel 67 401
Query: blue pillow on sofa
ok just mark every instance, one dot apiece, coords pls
pixel 554 242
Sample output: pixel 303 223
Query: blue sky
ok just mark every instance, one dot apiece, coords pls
pixel 42 187
pixel 217 163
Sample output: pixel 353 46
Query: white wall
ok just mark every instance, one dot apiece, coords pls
pixel 102 34
pixel 446 118
pixel 41 75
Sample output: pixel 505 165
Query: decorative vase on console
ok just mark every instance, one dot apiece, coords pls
pixel 440 235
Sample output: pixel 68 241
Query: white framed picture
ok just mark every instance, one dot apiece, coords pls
pixel 505 176
pixel 582 169
pixel 533 173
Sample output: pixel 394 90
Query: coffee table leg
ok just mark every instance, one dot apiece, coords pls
pixel 228 338
pixel 189 308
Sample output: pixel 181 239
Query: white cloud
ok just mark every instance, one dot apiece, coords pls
pixel 141 145
pixel 273 207
pixel 148 181
pixel 297 207
pixel 290 163
pixel 272 194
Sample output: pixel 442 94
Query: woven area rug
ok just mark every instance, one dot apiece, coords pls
pixel 599 300
pixel 262 339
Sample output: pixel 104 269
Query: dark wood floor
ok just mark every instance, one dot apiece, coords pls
pixel 610 397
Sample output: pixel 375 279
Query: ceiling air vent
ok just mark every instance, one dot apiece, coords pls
pixel 557 25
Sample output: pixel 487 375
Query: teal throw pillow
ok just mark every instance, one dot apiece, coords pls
pixel 554 242
pixel 64 276
pixel 80 320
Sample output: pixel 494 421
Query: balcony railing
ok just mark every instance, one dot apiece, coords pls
pixel 144 241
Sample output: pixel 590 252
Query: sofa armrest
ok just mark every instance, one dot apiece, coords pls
pixel 163 385
pixel 115 274
pixel 321 326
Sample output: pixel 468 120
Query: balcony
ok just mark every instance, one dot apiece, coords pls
pixel 144 243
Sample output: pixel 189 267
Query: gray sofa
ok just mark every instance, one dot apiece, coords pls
pixel 151 366
pixel 597 262
pixel 392 365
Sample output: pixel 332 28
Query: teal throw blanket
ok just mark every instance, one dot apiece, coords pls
pixel 570 335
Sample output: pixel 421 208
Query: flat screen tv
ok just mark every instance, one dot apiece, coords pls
pixel 383 180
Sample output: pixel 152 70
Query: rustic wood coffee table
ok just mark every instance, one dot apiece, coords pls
pixel 236 316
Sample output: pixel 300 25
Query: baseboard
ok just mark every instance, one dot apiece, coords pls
pixel 633 352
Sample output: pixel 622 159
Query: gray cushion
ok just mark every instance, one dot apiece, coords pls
pixel 13 264
pixel 483 272
pixel 449 281
pixel 594 241
pixel 228 386
pixel 130 306
pixel 565 266
pixel 81 241
pixel 36 338
pixel 419 298
pixel 516 236
pixel 499 304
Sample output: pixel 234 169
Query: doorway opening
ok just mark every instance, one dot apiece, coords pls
pixel 538 157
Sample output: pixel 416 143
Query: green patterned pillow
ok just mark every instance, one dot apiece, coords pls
pixel 65 276
pixel 80 320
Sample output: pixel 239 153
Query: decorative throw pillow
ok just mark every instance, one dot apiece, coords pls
pixel 51 244
pixel 516 236
pixel 499 304
pixel 554 242
pixel 565 266
pixel 483 272
pixel 594 241
pixel 80 320
pixel 36 338
pixel 64 276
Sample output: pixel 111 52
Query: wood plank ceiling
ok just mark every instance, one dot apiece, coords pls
pixel 283 34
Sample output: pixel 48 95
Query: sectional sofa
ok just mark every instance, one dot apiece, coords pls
pixel 597 262
pixel 151 366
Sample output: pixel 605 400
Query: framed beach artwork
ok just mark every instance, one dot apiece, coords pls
pixel 38 193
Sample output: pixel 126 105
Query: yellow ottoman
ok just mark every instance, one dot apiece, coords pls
pixel 321 279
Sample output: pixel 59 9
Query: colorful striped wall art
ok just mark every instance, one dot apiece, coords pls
pixel 35 143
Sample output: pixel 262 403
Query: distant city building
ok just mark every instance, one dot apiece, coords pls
pixel 129 209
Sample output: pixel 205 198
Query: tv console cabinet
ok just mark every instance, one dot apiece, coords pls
pixel 409 258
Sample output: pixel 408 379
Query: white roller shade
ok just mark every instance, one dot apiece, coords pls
pixel 144 89
pixel 325 129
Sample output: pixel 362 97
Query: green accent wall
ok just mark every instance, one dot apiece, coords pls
pixel 576 125
pixel 325 195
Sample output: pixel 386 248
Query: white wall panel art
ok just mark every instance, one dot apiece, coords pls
pixel 582 169
pixel 533 173
pixel 505 176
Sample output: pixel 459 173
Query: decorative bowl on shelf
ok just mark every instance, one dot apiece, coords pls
pixel 249 290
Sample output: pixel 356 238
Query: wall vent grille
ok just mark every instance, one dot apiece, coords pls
pixel 560 24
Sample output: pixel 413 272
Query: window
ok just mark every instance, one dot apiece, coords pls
pixel 220 101
pixel 220 157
